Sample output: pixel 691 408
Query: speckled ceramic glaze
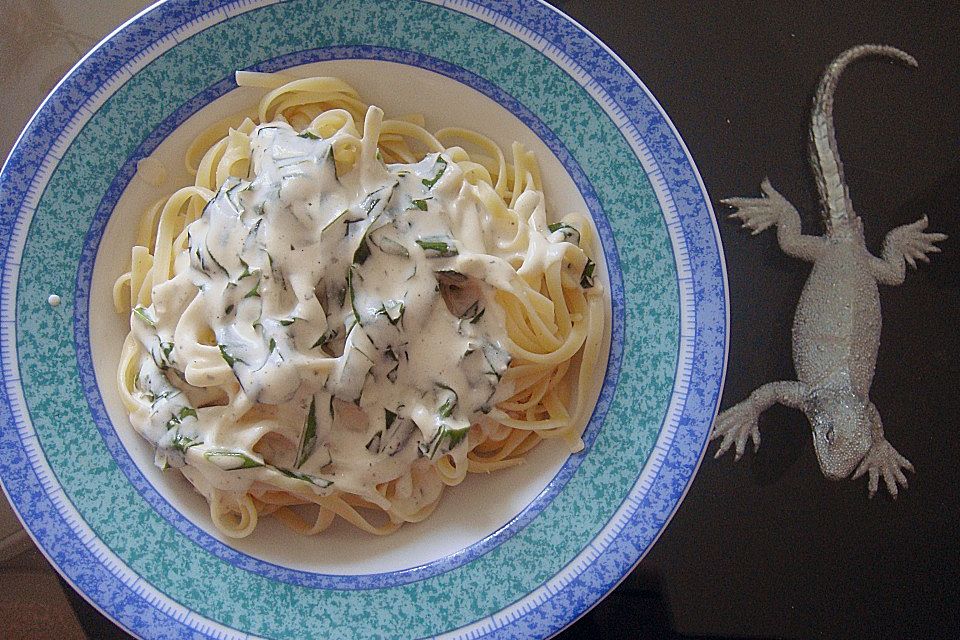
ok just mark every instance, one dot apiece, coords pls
pixel 156 572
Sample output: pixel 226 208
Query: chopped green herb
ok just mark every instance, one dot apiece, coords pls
pixel 273 345
pixel 162 357
pixel 325 338
pixel 446 409
pixel 187 412
pixel 438 247
pixel 233 194
pixel 586 278
pixel 392 374
pixel 473 313
pixel 181 442
pixel 291 161
pixel 308 439
pixel 229 309
pixel 570 234
pixel 456 436
pixel 255 292
pixel 227 357
pixel 287 322
pixel 449 397
pixel 392 247
pixel 196 252
pixel 393 309
pixel 252 234
pixel 420 204
pixel 323 483
pixel 231 460
pixel 309 135
pixel 452 435
pixel 154 399
pixel 141 313
pixel 362 253
pixel 442 164
pixel 246 270
pixel 217 262
pixel 371 203
pixel 353 299
pixel 389 417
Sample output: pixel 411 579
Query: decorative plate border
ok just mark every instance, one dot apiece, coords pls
pixel 674 459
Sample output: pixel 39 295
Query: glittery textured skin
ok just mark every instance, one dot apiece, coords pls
pixel 836 329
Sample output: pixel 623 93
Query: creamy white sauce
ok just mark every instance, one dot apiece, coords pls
pixel 355 311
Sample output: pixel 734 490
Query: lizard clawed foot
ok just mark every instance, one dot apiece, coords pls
pixel 913 243
pixel 883 460
pixel 735 426
pixel 758 214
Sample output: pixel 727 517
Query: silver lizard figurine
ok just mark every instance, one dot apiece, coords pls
pixel 836 329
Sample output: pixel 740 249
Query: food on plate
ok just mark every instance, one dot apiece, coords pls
pixel 345 313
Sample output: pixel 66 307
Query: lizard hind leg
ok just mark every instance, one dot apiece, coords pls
pixel 882 460
pixel 741 423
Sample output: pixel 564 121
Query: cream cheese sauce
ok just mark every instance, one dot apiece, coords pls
pixel 355 312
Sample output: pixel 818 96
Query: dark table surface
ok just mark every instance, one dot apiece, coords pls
pixel 767 547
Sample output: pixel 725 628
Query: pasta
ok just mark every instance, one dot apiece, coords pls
pixel 344 313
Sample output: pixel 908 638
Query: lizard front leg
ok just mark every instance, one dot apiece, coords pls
pixel 773 209
pixel 882 460
pixel 740 423
pixel 902 246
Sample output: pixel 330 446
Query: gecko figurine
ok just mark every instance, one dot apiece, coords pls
pixel 836 329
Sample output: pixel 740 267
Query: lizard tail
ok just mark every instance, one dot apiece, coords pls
pixel 824 157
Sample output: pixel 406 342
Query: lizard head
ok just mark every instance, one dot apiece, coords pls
pixel 841 431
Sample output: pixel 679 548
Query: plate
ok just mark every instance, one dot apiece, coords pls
pixel 521 553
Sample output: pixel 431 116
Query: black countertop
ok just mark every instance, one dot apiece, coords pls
pixel 767 547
